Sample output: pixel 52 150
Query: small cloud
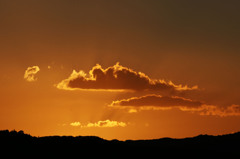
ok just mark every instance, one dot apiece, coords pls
pixel 75 124
pixel 30 73
pixel 132 110
pixel 100 124
pixel 107 123
pixel 117 78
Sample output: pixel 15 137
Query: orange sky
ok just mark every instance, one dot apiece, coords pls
pixel 178 72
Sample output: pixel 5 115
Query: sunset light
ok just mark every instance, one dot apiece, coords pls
pixel 122 70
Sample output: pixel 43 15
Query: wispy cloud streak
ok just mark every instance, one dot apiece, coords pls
pixel 158 102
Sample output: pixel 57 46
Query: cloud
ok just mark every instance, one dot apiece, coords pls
pixel 158 102
pixel 100 124
pixel 153 101
pixel 117 78
pixel 30 73
pixel 75 123
pixel 120 78
pixel 232 110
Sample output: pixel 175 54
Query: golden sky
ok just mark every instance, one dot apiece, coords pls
pixel 120 69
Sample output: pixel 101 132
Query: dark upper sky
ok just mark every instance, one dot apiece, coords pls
pixel 136 26
pixel 196 38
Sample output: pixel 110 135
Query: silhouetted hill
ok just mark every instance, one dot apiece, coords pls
pixel 20 142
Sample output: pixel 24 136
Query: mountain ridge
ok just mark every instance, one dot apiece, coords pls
pixel 19 141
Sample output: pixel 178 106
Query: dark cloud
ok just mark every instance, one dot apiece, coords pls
pixel 158 102
pixel 117 78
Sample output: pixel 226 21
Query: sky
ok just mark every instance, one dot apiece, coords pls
pixel 123 69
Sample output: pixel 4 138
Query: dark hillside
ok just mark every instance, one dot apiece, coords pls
pixel 20 142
